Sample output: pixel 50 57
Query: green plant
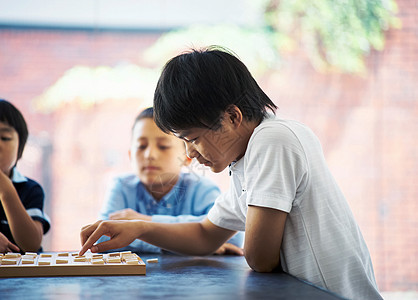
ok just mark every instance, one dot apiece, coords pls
pixel 336 35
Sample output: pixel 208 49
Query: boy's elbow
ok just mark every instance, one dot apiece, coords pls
pixel 262 267
pixel 261 264
pixel 30 247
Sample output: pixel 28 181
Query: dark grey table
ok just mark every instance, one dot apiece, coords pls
pixel 173 277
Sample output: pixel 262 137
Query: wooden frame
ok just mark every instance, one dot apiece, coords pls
pixel 70 264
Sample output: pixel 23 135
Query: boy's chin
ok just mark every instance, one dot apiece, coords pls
pixel 216 168
pixel 160 179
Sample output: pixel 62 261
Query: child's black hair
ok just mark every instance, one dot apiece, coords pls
pixel 10 115
pixel 197 87
pixel 147 113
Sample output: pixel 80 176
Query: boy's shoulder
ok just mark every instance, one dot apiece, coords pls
pixel 273 125
pixel 286 129
pixel 20 180
pixel 279 133
pixel 280 123
pixel 128 179
pixel 187 179
pixel 28 189
pixel 28 184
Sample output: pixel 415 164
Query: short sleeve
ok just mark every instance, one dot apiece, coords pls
pixel 227 212
pixel 275 168
pixel 32 196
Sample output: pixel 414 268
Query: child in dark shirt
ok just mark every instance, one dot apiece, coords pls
pixel 22 220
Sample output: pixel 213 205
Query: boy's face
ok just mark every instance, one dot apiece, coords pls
pixel 214 148
pixel 156 157
pixel 9 144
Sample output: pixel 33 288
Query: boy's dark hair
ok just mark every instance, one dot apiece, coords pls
pixel 197 87
pixel 10 115
pixel 147 113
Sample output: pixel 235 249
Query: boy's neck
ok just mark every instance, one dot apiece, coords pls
pixel 159 189
pixel 246 130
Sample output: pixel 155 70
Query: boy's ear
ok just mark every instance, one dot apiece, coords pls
pixel 234 115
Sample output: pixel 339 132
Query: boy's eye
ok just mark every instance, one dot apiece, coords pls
pixel 6 138
pixel 192 141
pixel 163 147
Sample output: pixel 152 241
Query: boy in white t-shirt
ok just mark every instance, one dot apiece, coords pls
pixel 282 193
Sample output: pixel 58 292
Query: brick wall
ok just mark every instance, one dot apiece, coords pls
pixel 367 126
pixel 87 146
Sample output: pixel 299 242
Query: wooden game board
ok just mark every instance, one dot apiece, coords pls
pixel 70 264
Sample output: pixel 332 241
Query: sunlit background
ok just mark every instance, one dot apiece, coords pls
pixel 80 71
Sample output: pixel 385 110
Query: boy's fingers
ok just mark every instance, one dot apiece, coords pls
pixel 13 247
pixel 102 229
pixel 89 243
pixel 228 248
pixel 89 235
pixel 87 230
pixel 114 216
pixel 105 246
pixel 233 249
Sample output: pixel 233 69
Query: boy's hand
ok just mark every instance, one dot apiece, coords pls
pixel 129 214
pixel 121 234
pixel 228 248
pixel 6 245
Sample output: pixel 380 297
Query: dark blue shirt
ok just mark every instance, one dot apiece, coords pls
pixel 32 196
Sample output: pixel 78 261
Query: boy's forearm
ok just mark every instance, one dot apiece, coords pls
pixel 183 238
pixel 177 219
pixel 28 236
pixel 186 238
pixel 26 232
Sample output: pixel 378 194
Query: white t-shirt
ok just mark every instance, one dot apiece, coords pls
pixel 284 168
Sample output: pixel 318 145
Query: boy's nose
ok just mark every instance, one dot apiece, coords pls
pixel 150 152
pixel 191 151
